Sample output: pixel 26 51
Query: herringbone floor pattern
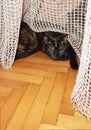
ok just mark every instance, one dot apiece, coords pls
pixel 35 95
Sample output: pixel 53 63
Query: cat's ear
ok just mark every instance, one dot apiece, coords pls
pixel 65 37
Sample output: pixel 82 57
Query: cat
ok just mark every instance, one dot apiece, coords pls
pixel 57 47
pixel 27 43
pixel 53 44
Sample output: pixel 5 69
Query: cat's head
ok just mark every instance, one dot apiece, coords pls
pixel 55 44
pixel 54 38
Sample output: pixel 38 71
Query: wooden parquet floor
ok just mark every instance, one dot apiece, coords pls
pixel 35 95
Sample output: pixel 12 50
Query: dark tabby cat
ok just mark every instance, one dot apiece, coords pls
pixel 57 47
pixel 28 43
pixel 54 44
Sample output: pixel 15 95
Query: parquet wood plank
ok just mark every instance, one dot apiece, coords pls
pixel 73 122
pixel 2 101
pixel 9 107
pixel 55 100
pixel 21 77
pixel 12 83
pixel 77 113
pixel 46 61
pixel 5 91
pixel 66 103
pixel 31 71
pixel 35 115
pixel 39 66
pixel 40 54
pixel 23 108
pixel 51 127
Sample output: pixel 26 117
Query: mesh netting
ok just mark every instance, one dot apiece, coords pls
pixel 81 96
pixel 65 16
pixel 10 17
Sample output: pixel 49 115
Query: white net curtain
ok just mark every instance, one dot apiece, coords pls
pixel 66 16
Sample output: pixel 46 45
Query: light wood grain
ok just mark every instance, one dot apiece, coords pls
pixel 10 107
pixel 23 108
pixel 40 54
pixel 47 61
pixel 66 103
pixel 42 66
pixel 12 83
pixel 2 102
pixel 21 77
pixel 34 117
pixel 5 91
pixel 31 71
pixel 55 99
pixel 73 122
pixel 51 127
pixel 35 95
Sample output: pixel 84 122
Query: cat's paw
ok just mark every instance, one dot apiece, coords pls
pixel 74 64
pixel 64 58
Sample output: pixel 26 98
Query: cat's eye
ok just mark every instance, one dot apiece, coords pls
pixel 45 38
pixel 62 42
pixel 49 42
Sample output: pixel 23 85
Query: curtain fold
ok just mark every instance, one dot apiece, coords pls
pixel 10 19
pixel 81 96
